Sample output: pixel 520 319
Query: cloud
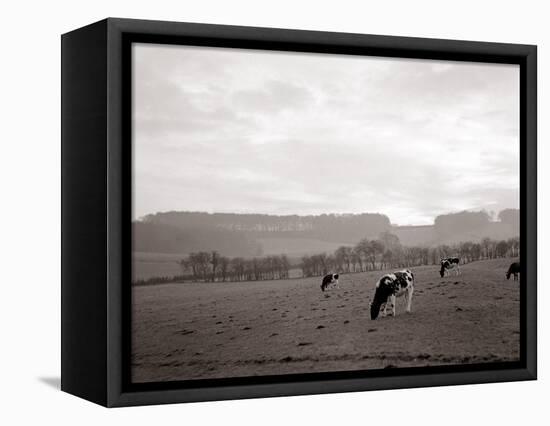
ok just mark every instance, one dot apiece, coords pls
pixel 272 97
pixel 286 133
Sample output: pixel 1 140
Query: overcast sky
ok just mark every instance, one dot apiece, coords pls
pixel 247 131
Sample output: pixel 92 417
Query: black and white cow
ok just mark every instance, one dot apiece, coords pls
pixel 513 270
pixel 330 279
pixel 449 264
pixel 388 288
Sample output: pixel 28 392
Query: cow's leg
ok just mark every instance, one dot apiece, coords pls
pixel 457 270
pixel 384 312
pixel 393 299
pixel 410 292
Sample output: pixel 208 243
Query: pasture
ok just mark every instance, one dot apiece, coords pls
pixel 147 265
pixel 216 330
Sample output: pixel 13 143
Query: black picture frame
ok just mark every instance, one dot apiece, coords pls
pixel 96 216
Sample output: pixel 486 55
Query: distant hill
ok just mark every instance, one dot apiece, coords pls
pixel 326 227
pixel 250 235
pixel 460 227
pixel 428 236
pixel 163 238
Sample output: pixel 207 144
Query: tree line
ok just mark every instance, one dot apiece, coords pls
pixel 211 266
pixel 387 252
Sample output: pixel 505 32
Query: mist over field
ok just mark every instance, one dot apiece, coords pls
pixel 165 244
pixel 258 234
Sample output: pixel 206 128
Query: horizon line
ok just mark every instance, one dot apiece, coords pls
pixel 140 219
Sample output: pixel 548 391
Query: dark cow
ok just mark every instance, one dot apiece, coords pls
pixel 449 264
pixel 388 288
pixel 513 270
pixel 328 280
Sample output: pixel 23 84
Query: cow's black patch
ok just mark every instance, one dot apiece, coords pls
pixel 385 289
pixel 514 269
pixel 327 279
pixel 402 279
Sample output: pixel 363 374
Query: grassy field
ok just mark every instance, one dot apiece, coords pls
pixel 197 331
pixel 147 265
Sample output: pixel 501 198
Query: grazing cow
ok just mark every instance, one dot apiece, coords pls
pixel 449 264
pixel 330 279
pixel 513 270
pixel 388 288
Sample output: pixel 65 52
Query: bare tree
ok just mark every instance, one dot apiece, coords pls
pixel 513 243
pixel 306 265
pixel 386 260
pixel 342 257
pixel 374 248
pixel 356 259
pixel 389 240
pixel 224 267
pixel 214 261
pixel 486 246
pixel 285 266
pixel 237 268
pixel 501 248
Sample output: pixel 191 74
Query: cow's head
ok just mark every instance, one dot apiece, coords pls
pixel 375 307
pixel 374 310
pixel 380 297
pixel 442 270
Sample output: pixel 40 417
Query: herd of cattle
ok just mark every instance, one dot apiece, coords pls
pixel 399 283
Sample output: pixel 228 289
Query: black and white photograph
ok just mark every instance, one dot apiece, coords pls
pixel 275 213
pixel 298 213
